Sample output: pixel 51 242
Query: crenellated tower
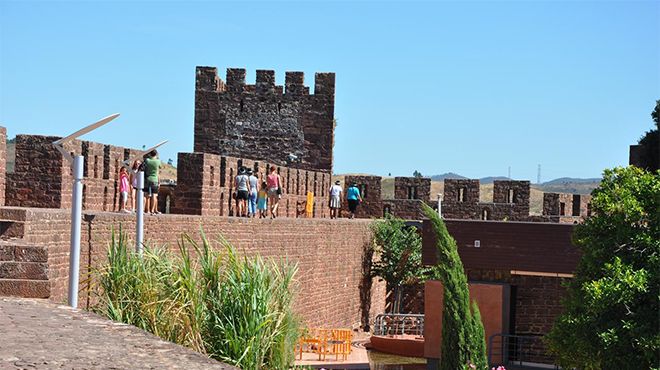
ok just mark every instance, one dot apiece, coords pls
pixel 285 124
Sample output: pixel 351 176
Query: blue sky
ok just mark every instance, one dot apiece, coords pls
pixel 468 87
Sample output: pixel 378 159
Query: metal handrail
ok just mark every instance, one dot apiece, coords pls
pixel 516 350
pixel 399 324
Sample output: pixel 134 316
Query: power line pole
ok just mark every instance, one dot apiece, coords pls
pixel 538 175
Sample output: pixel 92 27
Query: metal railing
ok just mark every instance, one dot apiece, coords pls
pixel 521 351
pixel 399 324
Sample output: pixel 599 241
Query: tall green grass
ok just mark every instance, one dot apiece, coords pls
pixel 235 309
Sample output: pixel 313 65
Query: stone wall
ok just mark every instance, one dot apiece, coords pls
pixel 3 163
pixel 407 209
pixel 206 183
pixel 370 191
pixel 332 255
pixel 510 200
pixel 285 124
pixel 563 207
pixel 42 177
pixel 413 188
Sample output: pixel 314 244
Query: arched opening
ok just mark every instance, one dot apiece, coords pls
pixel 485 214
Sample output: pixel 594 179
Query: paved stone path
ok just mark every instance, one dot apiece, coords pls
pixel 37 334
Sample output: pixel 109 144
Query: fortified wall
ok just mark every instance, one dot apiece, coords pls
pixel 285 124
pixel 206 184
pixel 42 177
pixel 510 200
pixel 461 200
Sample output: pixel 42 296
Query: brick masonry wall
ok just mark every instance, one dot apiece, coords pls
pixel 407 209
pixel 3 163
pixel 536 302
pixel 332 255
pixel 265 120
pixel 206 184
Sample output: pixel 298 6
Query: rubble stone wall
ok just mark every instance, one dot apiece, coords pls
pixel 285 124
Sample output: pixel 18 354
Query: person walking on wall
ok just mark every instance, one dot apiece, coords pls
pixel 335 199
pixel 242 183
pixel 252 197
pixel 151 173
pixel 354 198
pixel 274 182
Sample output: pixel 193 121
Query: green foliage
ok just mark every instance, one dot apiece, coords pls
pixel 463 338
pixel 237 310
pixel 611 319
pixel 417 174
pixel 650 142
pixel 399 250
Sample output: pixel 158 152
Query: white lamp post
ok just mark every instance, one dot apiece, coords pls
pixel 76 204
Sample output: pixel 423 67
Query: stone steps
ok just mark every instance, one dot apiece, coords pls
pixel 25 288
pixel 23 270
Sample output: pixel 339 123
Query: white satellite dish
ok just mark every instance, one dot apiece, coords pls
pixel 59 144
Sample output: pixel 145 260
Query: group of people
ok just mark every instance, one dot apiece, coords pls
pixel 128 184
pixel 253 198
pixel 352 196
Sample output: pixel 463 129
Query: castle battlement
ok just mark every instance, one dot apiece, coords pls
pixel 207 79
pixel 286 123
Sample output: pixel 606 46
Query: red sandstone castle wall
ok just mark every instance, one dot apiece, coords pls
pixel 3 163
pixel 206 183
pixel 264 120
pixel 332 255
pixel 42 177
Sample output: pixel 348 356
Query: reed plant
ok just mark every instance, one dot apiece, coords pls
pixel 235 309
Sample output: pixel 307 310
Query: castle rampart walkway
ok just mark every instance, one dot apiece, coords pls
pixel 37 334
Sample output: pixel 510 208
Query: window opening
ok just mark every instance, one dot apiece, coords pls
pixel 461 194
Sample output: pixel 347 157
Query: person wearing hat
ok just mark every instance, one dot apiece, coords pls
pixel 335 199
pixel 252 197
pixel 242 192
pixel 353 197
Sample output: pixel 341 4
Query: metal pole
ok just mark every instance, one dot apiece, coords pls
pixel 139 227
pixel 76 220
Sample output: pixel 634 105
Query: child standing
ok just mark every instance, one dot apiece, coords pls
pixel 261 200
pixel 124 187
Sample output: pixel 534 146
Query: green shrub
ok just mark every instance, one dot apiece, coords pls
pixel 238 310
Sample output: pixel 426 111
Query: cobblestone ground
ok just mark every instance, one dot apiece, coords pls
pixel 37 334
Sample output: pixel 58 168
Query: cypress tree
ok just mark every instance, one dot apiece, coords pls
pixel 463 339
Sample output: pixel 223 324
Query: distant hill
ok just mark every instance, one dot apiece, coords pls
pixel 569 180
pixel 448 175
pixel 491 179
